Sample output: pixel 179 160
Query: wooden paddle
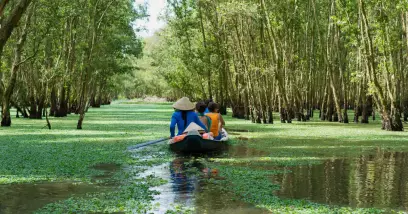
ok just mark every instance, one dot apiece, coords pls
pixel 138 146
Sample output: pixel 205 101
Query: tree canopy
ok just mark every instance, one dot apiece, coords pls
pixel 65 55
pixel 291 57
pixel 255 56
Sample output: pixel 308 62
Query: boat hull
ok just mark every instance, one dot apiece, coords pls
pixel 195 144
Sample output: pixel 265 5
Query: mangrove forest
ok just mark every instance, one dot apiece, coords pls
pixel 203 106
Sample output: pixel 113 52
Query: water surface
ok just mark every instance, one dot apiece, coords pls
pixel 29 197
pixel 190 184
pixel 379 180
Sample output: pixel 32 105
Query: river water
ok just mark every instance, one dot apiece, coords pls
pixel 375 180
pixel 189 185
pixel 29 197
pixel 190 189
pixel 378 180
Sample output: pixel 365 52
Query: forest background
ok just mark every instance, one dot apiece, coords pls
pixel 256 57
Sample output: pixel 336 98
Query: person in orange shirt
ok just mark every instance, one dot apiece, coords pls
pixel 217 121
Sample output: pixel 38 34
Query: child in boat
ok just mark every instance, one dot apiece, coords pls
pixel 201 108
pixel 184 115
pixel 207 102
pixel 217 121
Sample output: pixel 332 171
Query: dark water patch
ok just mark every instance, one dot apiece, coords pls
pixel 379 180
pixel 27 198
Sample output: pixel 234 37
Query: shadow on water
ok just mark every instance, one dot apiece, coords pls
pixel 188 185
pixel 29 197
pixel 379 180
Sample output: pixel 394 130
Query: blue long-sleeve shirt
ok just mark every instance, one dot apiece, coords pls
pixel 177 119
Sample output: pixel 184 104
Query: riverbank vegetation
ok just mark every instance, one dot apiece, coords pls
pixel 60 57
pixel 291 57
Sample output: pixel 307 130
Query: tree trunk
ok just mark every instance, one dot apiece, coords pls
pixel 5 118
pixel 62 109
pixel 329 112
pixel 345 114
pixel 33 107
pixel 53 101
pixel 40 109
pixel 7 25
pixel 356 113
pixel 390 120
pixel 82 104
pixel 365 112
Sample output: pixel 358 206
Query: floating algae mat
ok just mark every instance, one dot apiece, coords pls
pixel 379 180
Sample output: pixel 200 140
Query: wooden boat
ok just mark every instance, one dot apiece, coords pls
pixel 194 143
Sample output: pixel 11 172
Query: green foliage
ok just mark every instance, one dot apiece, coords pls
pixel 145 79
pixel 292 55
pixel 77 52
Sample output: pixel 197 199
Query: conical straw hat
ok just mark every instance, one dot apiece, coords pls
pixel 193 127
pixel 184 104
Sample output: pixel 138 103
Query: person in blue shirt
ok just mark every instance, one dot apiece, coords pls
pixel 183 116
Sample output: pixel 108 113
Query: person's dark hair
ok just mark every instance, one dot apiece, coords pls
pixel 212 106
pixel 208 101
pixel 184 117
pixel 200 107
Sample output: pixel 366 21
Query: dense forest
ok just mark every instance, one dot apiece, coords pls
pixel 255 56
pixel 61 57
pixel 291 57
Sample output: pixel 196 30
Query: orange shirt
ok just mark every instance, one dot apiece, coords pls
pixel 215 120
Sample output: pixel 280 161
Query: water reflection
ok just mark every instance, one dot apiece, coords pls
pixel 182 183
pixel 241 151
pixel 188 185
pixel 379 180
